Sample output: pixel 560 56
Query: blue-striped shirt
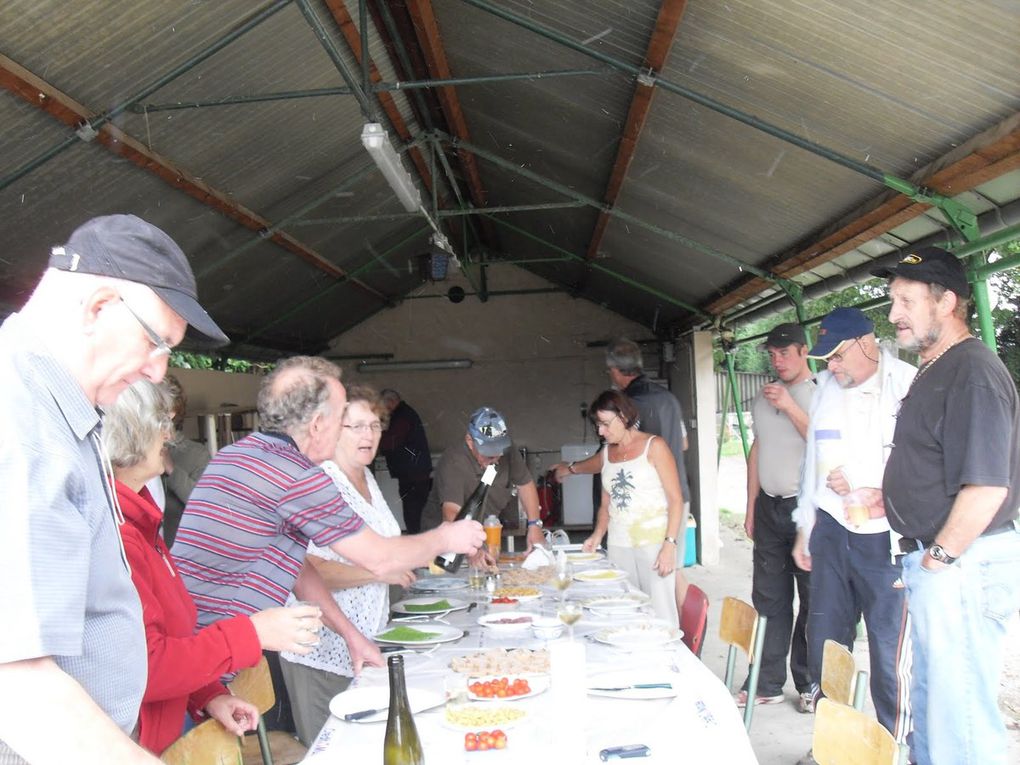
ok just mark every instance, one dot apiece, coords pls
pixel 65 588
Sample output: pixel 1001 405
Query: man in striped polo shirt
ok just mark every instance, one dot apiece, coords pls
pixel 106 313
pixel 241 544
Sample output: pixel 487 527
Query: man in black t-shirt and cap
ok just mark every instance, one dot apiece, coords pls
pixel 951 488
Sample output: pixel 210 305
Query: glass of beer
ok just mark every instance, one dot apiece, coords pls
pixel 493 535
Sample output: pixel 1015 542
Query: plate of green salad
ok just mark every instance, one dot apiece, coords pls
pixel 418 633
pixel 432 605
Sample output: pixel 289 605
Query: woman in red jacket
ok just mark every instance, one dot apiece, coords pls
pixel 184 665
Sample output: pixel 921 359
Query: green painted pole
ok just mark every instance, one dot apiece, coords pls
pixel 737 404
pixel 722 423
pixel 599 267
pixel 979 288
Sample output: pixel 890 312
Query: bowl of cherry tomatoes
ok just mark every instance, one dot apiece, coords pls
pixel 484 740
pixel 506 688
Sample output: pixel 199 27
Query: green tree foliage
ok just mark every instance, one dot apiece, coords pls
pixel 184 360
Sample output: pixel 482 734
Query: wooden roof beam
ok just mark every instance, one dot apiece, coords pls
pixel 351 34
pixel 36 91
pixel 666 25
pixel 985 157
pixel 431 45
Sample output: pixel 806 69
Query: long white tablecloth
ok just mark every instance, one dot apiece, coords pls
pixel 700 724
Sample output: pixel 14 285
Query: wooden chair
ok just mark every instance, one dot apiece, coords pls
pixel 694 618
pixel 846 736
pixel 255 685
pixel 742 627
pixel 206 744
pixel 841 681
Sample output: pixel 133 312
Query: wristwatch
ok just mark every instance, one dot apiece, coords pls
pixel 671 540
pixel 537 522
pixel 938 552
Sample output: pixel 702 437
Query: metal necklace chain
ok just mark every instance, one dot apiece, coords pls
pixel 928 365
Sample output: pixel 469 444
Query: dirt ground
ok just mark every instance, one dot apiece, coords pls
pixel 780 735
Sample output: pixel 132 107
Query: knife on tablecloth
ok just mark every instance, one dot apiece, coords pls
pixel 635 687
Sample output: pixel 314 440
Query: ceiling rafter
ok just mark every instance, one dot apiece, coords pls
pixel 430 42
pixel 43 95
pixel 666 25
pixel 351 34
pixel 985 157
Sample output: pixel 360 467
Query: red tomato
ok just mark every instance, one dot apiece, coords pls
pixel 483 746
pixel 470 742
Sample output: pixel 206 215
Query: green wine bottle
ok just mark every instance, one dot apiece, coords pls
pixel 451 562
pixel 401 746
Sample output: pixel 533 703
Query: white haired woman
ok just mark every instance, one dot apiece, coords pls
pixel 184 665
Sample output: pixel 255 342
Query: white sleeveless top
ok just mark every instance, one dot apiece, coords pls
pixel 637 502
pixel 367 606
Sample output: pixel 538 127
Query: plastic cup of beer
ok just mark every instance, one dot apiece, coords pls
pixel 493 535
pixel 856 510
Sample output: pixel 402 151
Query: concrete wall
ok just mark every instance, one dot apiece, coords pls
pixel 211 392
pixel 529 351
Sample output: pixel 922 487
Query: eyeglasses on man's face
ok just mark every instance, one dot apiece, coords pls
pixel 364 427
pixel 160 347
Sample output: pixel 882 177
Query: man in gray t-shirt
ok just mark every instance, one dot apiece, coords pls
pixel 773 481
pixel 113 302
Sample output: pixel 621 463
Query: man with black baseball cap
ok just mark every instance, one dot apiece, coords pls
pixel 773 480
pixel 114 301
pixel 951 488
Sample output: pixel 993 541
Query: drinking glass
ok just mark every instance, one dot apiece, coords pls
pixel 563 577
pixel 310 624
pixel 569 613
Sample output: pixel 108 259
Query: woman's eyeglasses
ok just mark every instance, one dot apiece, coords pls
pixel 364 427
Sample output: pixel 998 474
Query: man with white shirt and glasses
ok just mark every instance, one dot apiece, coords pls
pixel 112 303
pixel 843 537
pixel 951 489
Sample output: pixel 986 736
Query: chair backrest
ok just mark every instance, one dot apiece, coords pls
pixel 206 744
pixel 846 736
pixel 838 673
pixel 738 624
pixel 255 685
pixel 694 618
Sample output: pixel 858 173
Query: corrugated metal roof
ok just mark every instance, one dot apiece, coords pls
pixel 897 85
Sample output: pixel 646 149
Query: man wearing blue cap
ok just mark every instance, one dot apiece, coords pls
pixel 952 490
pixel 487 442
pixel 843 537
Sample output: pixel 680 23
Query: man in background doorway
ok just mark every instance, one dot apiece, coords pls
pixel 406 449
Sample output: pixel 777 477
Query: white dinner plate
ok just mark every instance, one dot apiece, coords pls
pixel 499 621
pixel 599 685
pixel 640 635
pixel 600 576
pixel 537 683
pixel 378 697
pixel 441 633
pixel 439 584
pixel 426 602
pixel 581 558
pixel 617 604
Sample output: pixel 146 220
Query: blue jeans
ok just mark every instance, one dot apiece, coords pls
pixel 958 624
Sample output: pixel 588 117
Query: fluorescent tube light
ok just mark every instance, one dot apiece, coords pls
pixel 413 366
pixel 374 138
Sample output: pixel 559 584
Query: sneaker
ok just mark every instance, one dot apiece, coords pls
pixel 741 699
pixel 806 703
pixel 807 759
